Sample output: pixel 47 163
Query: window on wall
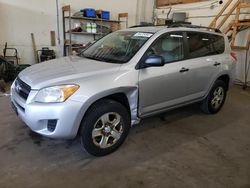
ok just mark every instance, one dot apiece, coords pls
pixel 202 44
pixel 170 46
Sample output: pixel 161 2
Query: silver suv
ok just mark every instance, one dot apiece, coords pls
pixel 124 77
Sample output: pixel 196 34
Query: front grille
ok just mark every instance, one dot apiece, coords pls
pixel 20 107
pixel 51 126
pixel 22 88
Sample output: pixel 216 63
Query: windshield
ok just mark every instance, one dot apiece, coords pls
pixel 118 47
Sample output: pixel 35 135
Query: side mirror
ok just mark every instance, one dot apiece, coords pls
pixel 154 61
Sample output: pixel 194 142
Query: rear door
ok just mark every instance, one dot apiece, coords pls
pixel 204 61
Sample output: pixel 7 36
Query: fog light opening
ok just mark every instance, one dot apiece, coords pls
pixel 51 125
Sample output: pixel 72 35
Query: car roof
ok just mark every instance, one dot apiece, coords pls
pixel 150 29
pixel 155 29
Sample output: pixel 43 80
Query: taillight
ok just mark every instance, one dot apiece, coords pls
pixel 234 55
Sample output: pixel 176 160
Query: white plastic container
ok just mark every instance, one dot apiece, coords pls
pixel 89 27
pixel 94 28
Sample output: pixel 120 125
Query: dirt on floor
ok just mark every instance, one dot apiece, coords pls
pixel 182 148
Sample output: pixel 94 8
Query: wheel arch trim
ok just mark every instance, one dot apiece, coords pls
pixel 131 94
pixel 217 78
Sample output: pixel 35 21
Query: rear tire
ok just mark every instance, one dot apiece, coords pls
pixel 104 127
pixel 215 99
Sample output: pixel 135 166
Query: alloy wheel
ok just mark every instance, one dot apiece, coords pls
pixel 218 97
pixel 107 130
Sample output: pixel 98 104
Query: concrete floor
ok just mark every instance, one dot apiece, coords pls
pixel 183 148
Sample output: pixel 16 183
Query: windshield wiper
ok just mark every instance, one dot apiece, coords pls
pixel 109 60
pixel 94 58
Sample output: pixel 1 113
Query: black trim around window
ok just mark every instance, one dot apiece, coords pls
pixel 186 47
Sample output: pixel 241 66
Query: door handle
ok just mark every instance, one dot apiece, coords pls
pixel 183 69
pixel 217 64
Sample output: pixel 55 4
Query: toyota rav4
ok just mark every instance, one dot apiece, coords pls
pixel 121 78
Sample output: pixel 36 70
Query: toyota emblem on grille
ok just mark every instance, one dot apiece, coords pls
pixel 18 88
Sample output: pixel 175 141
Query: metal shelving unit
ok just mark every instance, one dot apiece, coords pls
pixel 92 19
pixel 67 35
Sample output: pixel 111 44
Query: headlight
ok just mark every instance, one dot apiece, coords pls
pixel 56 93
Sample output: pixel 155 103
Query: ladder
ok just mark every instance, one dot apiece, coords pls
pixel 235 24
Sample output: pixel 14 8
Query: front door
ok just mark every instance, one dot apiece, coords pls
pixel 163 87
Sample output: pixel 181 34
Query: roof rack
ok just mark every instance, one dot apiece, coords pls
pixel 146 25
pixel 180 24
pixel 194 26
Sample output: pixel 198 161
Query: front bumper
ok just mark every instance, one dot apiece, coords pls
pixel 37 115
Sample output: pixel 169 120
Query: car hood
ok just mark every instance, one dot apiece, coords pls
pixel 65 71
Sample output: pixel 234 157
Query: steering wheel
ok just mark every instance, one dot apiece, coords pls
pixel 151 51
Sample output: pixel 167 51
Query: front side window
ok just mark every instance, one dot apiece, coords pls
pixel 118 47
pixel 170 46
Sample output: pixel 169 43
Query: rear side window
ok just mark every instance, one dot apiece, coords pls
pixel 219 44
pixel 202 44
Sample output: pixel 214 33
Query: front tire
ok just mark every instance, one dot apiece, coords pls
pixel 105 127
pixel 215 99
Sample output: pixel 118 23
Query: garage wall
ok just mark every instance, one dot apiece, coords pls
pixel 19 18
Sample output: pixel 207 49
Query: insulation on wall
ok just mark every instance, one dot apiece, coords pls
pixel 161 3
